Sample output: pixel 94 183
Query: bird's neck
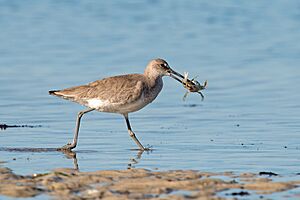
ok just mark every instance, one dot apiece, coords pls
pixel 154 86
pixel 153 79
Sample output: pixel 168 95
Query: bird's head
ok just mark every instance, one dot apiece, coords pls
pixel 160 67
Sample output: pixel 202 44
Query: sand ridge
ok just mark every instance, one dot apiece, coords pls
pixel 71 184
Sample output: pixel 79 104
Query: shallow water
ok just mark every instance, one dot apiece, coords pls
pixel 248 51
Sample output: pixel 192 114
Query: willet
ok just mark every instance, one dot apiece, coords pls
pixel 119 94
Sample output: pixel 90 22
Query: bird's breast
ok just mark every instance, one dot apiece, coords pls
pixel 153 90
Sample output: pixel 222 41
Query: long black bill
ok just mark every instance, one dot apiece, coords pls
pixel 175 75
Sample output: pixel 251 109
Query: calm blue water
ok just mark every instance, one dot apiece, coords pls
pixel 247 50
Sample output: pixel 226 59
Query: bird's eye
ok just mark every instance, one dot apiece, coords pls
pixel 164 65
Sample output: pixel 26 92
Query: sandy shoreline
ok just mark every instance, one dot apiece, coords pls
pixel 139 184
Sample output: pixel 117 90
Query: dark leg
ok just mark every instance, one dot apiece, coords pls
pixel 72 145
pixel 132 135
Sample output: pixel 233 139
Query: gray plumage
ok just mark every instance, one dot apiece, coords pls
pixel 118 94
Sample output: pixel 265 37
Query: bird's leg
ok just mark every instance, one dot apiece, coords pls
pixel 185 95
pixel 72 145
pixel 132 135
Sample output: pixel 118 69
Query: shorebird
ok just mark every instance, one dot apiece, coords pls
pixel 119 94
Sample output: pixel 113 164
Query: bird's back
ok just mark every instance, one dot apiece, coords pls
pixel 121 94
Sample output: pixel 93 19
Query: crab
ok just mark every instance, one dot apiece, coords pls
pixel 192 86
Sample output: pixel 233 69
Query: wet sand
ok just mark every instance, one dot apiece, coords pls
pixel 140 184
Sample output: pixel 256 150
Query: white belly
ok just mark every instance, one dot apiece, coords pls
pixel 123 108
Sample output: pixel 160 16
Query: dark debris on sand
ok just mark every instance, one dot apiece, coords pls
pixel 5 126
pixel 241 193
pixel 267 174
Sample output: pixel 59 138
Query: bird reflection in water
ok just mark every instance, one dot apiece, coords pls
pixel 72 154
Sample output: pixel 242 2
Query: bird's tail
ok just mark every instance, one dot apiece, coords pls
pixel 54 92
pixel 62 94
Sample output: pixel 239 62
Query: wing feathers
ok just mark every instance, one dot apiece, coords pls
pixel 125 88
